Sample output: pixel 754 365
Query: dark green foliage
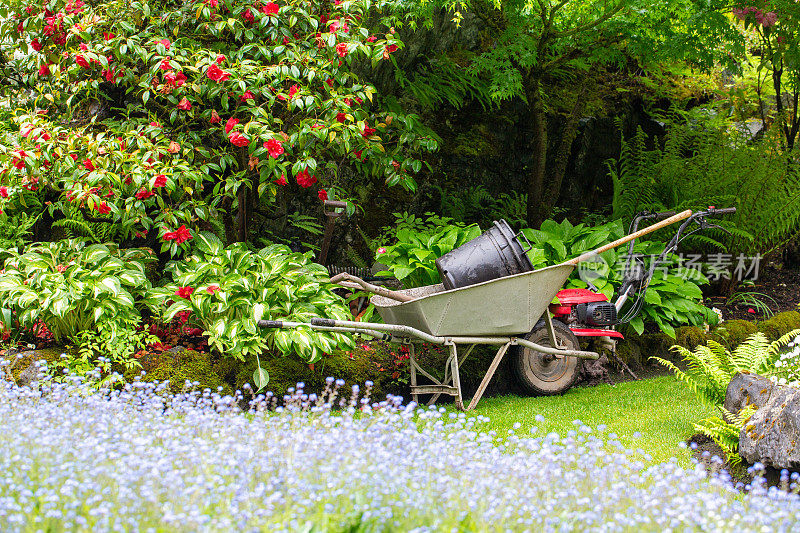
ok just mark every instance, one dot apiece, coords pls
pixel 444 81
pixel 713 165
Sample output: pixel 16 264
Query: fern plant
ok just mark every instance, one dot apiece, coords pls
pixel 709 371
pixel 702 164
pixel 725 431
pixel 710 368
pixel 76 226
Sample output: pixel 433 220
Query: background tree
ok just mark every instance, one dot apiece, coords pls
pixel 547 53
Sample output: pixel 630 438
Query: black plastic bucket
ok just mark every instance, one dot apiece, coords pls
pixel 495 253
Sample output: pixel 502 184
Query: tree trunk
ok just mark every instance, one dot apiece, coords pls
pixel 544 184
pixel 536 175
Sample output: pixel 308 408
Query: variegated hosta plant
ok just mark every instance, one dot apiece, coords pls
pixel 228 290
pixel 73 288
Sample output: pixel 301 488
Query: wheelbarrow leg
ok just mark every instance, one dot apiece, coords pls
pixel 488 377
pixel 456 377
pixel 413 365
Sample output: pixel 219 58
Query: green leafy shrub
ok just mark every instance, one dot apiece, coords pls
pixel 85 295
pixel 72 287
pixel 226 291
pixel 418 243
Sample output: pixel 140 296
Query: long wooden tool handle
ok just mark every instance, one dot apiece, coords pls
pixel 369 287
pixel 628 238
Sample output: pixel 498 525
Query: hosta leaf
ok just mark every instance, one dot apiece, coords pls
pixel 208 243
pixel 260 378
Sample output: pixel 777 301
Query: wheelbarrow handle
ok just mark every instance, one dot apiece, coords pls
pixel 626 238
pixel 343 279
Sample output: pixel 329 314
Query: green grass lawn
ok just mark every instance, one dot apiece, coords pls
pixel 661 410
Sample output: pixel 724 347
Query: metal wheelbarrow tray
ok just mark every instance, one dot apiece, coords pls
pixel 505 306
pixel 493 312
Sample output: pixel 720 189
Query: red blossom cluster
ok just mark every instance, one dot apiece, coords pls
pixel 763 18
pixel 181 235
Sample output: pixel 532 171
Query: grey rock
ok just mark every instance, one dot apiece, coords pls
pixel 772 435
pixel 747 389
pixel 29 375
pixel 176 349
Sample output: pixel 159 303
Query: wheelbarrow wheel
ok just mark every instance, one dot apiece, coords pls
pixel 543 374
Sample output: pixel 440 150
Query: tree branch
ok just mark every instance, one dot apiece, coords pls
pixel 593 24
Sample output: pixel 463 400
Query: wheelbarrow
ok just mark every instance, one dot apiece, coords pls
pixel 507 312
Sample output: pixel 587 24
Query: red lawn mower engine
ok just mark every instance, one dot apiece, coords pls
pixel 587 313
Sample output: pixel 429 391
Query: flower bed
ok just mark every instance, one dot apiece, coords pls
pixel 141 458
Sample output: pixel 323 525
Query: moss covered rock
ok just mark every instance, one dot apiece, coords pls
pixel 731 333
pixel 355 368
pixel 780 324
pixel 22 363
pixel 178 368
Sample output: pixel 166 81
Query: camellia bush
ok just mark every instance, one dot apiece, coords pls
pixel 174 116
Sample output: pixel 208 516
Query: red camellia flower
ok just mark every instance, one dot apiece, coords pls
pixel 81 61
pixel 270 8
pixel 329 82
pixel 155 124
pixel 391 48
pixel 184 292
pixel 3 192
pixel 44 69
pixel 281 180
pixel 83 46
pixel 102 208
pixel 89 165
pixel 367 131
pixel 164 42
pixel 274 147
pixel 293 90
pixel 341 117
pixel 220 58
pixel 180 235
pixel 36 45
pixel 165 64
pixel 248 16
pixel 371 39
pixel 184 104
pixel 143 194
pixel 161 181
pixel 108 36
pixel 358 154
pixel 215 116
pixel 211 289
pixel 341 49
pixel 246 96
pixel 304 180
pixel 108 74
pixel 237 139
pixel 232 122
pixel 323 194
pixel 215 73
